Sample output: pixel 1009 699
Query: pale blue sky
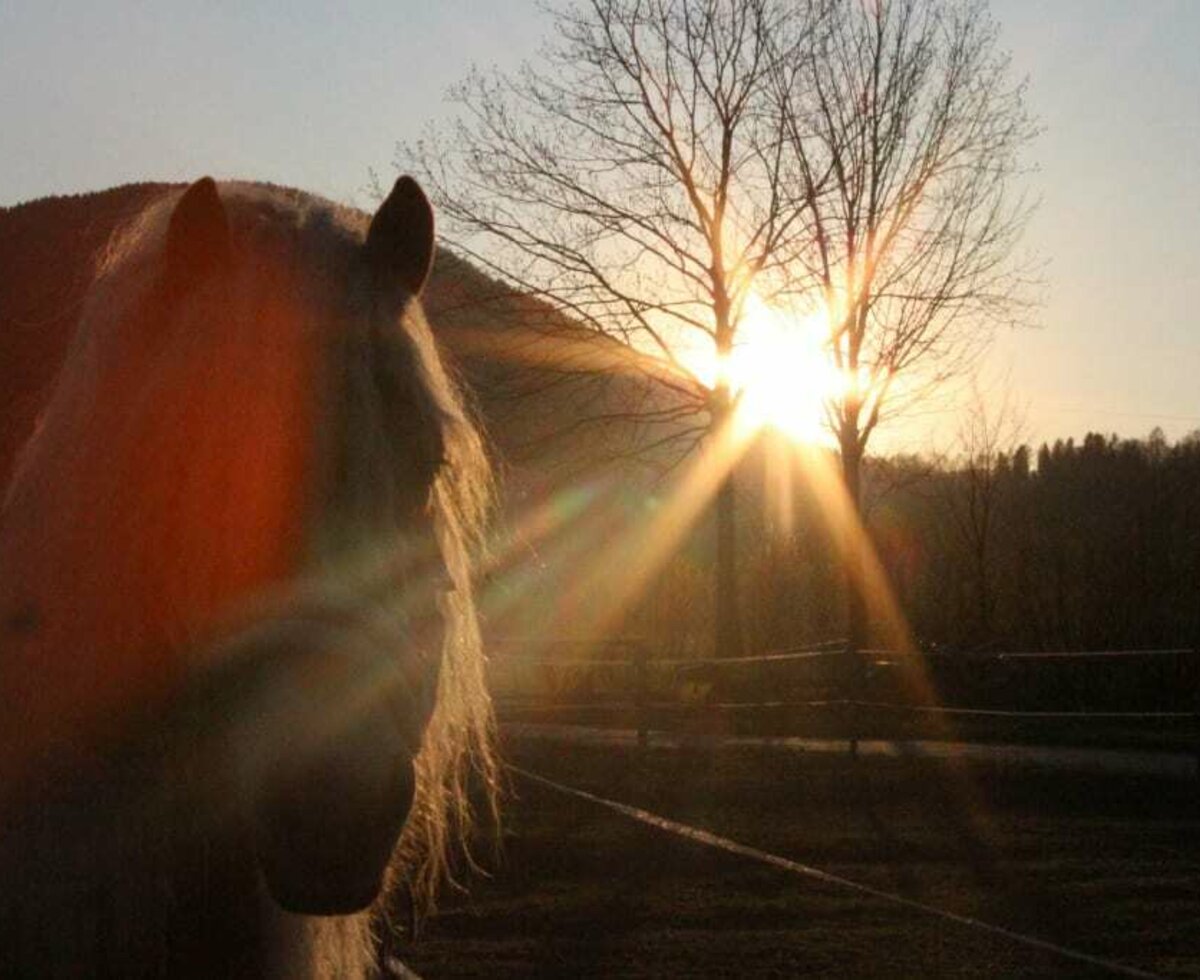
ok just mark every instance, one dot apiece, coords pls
pixel 316 94
pixel 1117 85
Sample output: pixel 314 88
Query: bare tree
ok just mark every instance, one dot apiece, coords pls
pixel 907 128
pixel 639 180
pixel 989 435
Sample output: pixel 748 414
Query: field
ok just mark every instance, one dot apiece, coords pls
pixel 1102 864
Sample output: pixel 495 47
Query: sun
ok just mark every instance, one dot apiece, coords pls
pixel 781 372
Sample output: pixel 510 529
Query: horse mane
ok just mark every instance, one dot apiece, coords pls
pixel 460 738
pixel 297 238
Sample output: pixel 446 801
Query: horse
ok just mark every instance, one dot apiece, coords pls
pixel 241 680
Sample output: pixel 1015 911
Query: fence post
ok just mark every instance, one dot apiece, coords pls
pixel 1194 672
pixel 640 655
pixel 764 729
pixel 856 685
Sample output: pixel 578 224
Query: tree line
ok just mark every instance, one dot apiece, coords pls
pixel 1089 545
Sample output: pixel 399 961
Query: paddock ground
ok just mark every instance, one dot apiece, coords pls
pixel 1107 865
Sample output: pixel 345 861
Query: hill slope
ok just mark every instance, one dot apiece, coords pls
pixel 541 381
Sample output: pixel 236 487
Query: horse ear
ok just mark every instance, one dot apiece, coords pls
pixel 198 235
pixel 399 243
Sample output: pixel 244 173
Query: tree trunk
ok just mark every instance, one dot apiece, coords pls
pixel 728 618
pixel 984 611
pixel 856 606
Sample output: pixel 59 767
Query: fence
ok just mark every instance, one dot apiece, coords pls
pixel 1119 698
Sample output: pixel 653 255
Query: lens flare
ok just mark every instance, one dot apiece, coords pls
pixel 780 370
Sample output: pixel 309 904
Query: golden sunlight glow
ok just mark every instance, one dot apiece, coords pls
pixel 781 371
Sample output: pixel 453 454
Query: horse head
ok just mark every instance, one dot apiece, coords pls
pixel 234 559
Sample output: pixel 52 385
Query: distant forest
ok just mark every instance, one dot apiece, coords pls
pixel 1077 546
pixel 1073 546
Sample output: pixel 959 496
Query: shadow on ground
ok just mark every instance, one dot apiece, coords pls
pixel 1107 865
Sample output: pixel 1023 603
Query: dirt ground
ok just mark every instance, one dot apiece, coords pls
pixel 1107 865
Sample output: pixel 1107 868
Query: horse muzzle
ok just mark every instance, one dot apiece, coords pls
pixel 328 770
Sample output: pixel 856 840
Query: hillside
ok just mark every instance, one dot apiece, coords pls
pixel 47 250
pixel 555 399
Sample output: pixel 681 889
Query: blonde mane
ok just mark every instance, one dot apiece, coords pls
pixel 178 493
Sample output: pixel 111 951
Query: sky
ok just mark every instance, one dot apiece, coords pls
pixel 317 95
